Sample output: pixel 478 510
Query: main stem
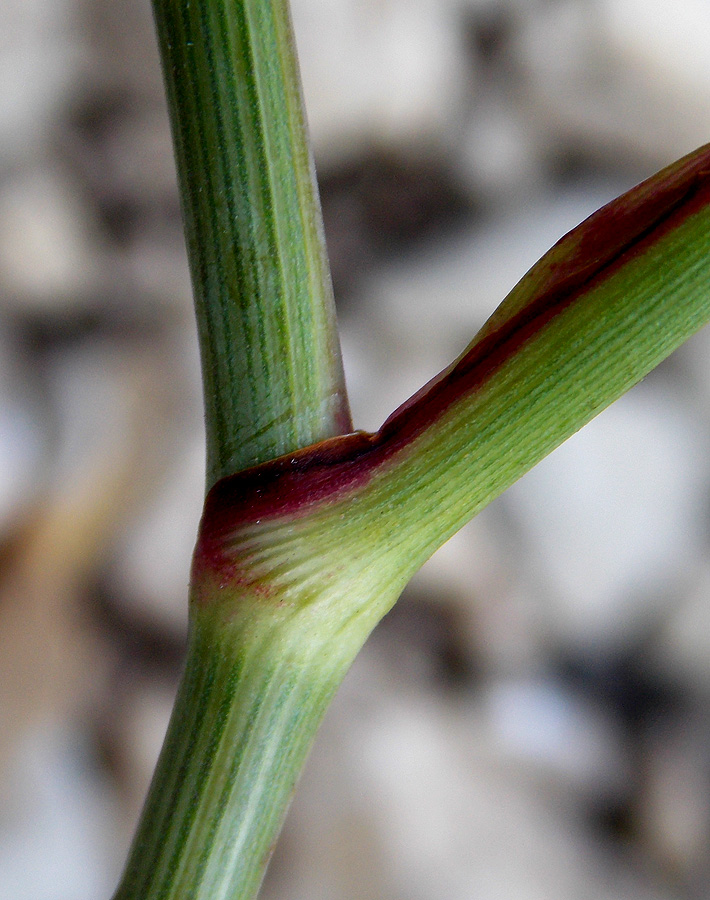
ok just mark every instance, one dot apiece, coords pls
pixel 243 722
pixel 258 675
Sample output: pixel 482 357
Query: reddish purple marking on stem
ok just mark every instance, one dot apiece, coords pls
pixel 214 558
pixel 606 241
pixel 286 486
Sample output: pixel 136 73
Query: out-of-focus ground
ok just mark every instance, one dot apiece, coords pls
pixel 532 721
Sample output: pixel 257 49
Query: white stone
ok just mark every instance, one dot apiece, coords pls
pixel 544 725
pixel 624 76
pixel 47 259
pixel 379 74
pixel 40 55
pixel 55 823
pixel 499 157
pixel 669 40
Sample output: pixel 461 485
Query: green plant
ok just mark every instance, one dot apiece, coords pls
pixel 310 530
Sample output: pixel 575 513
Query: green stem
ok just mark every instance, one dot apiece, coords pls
pixel 258 679
pixel 300 556
pixel 271 361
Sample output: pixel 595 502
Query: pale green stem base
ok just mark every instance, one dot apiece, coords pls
pixel 243 723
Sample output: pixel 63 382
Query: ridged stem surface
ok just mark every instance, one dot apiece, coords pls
pixel 259 677
pixel 271 360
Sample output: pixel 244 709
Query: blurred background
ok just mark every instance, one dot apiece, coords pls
pixel 532 721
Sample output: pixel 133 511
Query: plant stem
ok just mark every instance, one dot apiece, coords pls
pixel 271 363
pixel 258 679
pixel 259 675
pixel 217 785
pixel 298 558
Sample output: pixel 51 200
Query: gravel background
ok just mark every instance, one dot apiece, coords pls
pixel 532 719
